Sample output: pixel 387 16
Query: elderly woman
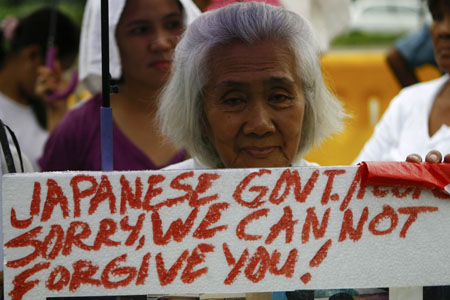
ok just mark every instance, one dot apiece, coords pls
pixel 247 90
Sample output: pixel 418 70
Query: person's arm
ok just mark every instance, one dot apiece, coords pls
pixel 410 52
pixel 402 70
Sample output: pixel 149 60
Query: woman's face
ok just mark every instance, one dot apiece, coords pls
pixel 254 105
pixel 440 34
pixel 147 34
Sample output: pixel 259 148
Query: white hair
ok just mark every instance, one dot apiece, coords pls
pixel 181 102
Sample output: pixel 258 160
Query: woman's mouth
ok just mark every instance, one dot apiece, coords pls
pixel 259 152
pixel 161 64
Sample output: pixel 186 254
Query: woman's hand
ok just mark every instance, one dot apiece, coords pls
pixel 433 156
pixel 51 81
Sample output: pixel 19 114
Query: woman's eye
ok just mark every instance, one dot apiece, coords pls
pixel 174 25
pixel 233 101
pixel 139 30
pixel 280 98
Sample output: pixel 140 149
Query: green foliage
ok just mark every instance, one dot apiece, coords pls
pixel 354 39
pixel 19 8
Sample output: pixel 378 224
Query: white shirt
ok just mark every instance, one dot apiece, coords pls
pixel 403 129
pixel 193 164
pixel 21 119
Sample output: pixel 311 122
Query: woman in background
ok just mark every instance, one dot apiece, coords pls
pixel 143 36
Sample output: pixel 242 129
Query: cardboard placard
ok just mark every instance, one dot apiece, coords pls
pixel 218 231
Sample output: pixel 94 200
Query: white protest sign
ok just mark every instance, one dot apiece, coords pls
pixel 218 231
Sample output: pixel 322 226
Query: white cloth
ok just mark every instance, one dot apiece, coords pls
pixel 21 119
pixel 27 167
pixel 406 293
pixel 403 129
pixel 329 18
pixel 90 58
pixel 193 164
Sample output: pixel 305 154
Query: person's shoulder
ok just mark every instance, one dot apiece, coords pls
pixel 82 115
pixel 86 109
pixel 422 91
pixel 76 129
pixel 414 39
pixel 426 85
pixel 6 102
pixel 12 110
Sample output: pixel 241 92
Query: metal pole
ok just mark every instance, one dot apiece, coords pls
pixel 105 52
pixel 106 110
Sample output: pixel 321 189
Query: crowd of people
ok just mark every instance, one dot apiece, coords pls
pixel 238 86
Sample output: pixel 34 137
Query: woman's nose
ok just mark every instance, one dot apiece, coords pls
pixel 162 42
pixel 259 120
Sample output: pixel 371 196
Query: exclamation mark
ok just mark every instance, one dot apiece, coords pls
pixel 317 260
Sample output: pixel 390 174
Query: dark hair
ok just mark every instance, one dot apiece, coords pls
pixel 34 29
pixel 434 5
pixel 181 7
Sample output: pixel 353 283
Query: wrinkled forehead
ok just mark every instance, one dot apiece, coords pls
pixel 235 51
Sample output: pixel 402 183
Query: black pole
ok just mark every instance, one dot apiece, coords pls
pixel 106 120
pixel 50 55
pixel 52 28
pixel 105 53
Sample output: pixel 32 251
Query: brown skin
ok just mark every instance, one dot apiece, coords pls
pixel 254 106
pixel 147 34
pixel 433 157
pixel 19 73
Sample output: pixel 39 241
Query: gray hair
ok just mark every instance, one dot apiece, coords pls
pixel 181 102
